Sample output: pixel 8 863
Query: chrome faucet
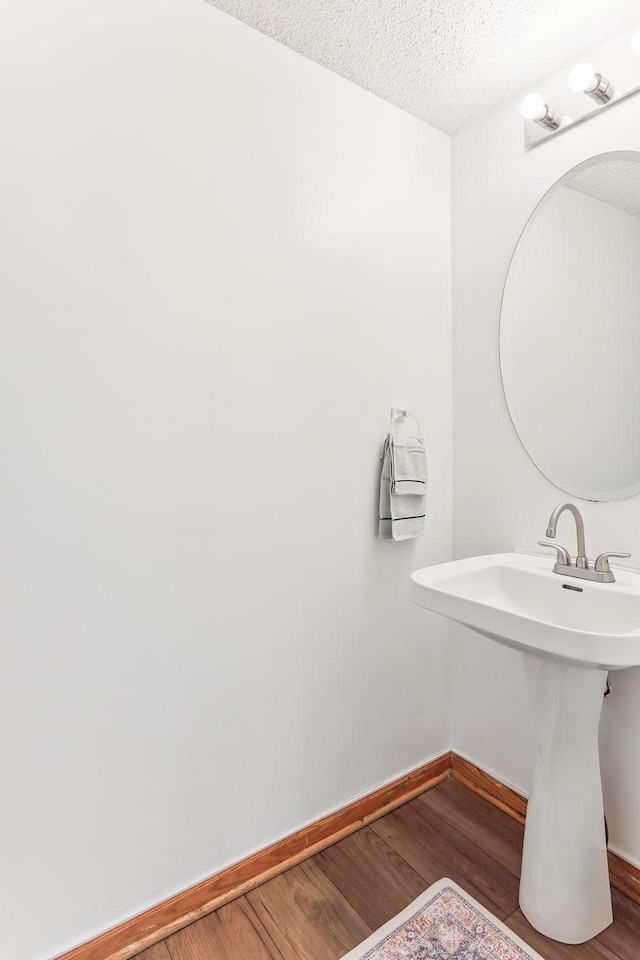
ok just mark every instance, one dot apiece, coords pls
pixel 581 558
pixel 600 572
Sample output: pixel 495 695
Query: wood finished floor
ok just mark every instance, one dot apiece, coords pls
pixel 322 908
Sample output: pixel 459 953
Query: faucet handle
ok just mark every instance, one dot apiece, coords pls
pixel 602 561
pixel 563 557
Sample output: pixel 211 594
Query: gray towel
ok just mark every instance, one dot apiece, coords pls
pixel 403 488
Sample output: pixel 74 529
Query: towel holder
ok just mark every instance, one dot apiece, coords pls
pixel 401 413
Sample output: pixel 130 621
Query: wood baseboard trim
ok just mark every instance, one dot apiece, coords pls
pixel 624 876
pixel 488 787
pixel 154 925
pixel 143 931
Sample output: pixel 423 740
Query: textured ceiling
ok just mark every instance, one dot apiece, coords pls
pixel 613 180
pixel 445 61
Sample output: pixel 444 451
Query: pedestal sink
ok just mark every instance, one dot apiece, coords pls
pixel 571 633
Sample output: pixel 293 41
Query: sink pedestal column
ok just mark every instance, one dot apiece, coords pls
pixel 564 887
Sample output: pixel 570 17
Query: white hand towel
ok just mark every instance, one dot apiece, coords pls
pixel 409 463
pixel 403 486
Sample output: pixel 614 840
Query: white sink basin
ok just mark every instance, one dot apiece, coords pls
pixel 516 599
pixel 570 631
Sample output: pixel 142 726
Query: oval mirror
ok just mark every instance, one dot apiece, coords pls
pixel 570 330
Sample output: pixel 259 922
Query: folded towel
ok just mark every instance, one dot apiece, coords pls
pixel 403 487
pixel 409 466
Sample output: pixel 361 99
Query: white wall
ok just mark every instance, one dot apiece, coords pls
pixel 501 500
pixel 221 264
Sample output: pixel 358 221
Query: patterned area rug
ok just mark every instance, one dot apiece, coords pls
pixel 444 923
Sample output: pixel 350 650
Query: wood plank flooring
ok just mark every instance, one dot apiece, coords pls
pixel 322 908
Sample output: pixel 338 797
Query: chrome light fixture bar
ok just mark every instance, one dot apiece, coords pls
pixel 589 92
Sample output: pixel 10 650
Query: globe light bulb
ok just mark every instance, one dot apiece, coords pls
pixel 635 42
pixel 582 78
pixel 533 107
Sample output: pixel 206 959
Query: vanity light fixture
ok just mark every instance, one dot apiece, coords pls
pixel 588 94
pixel 533 107
pixel 584 79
